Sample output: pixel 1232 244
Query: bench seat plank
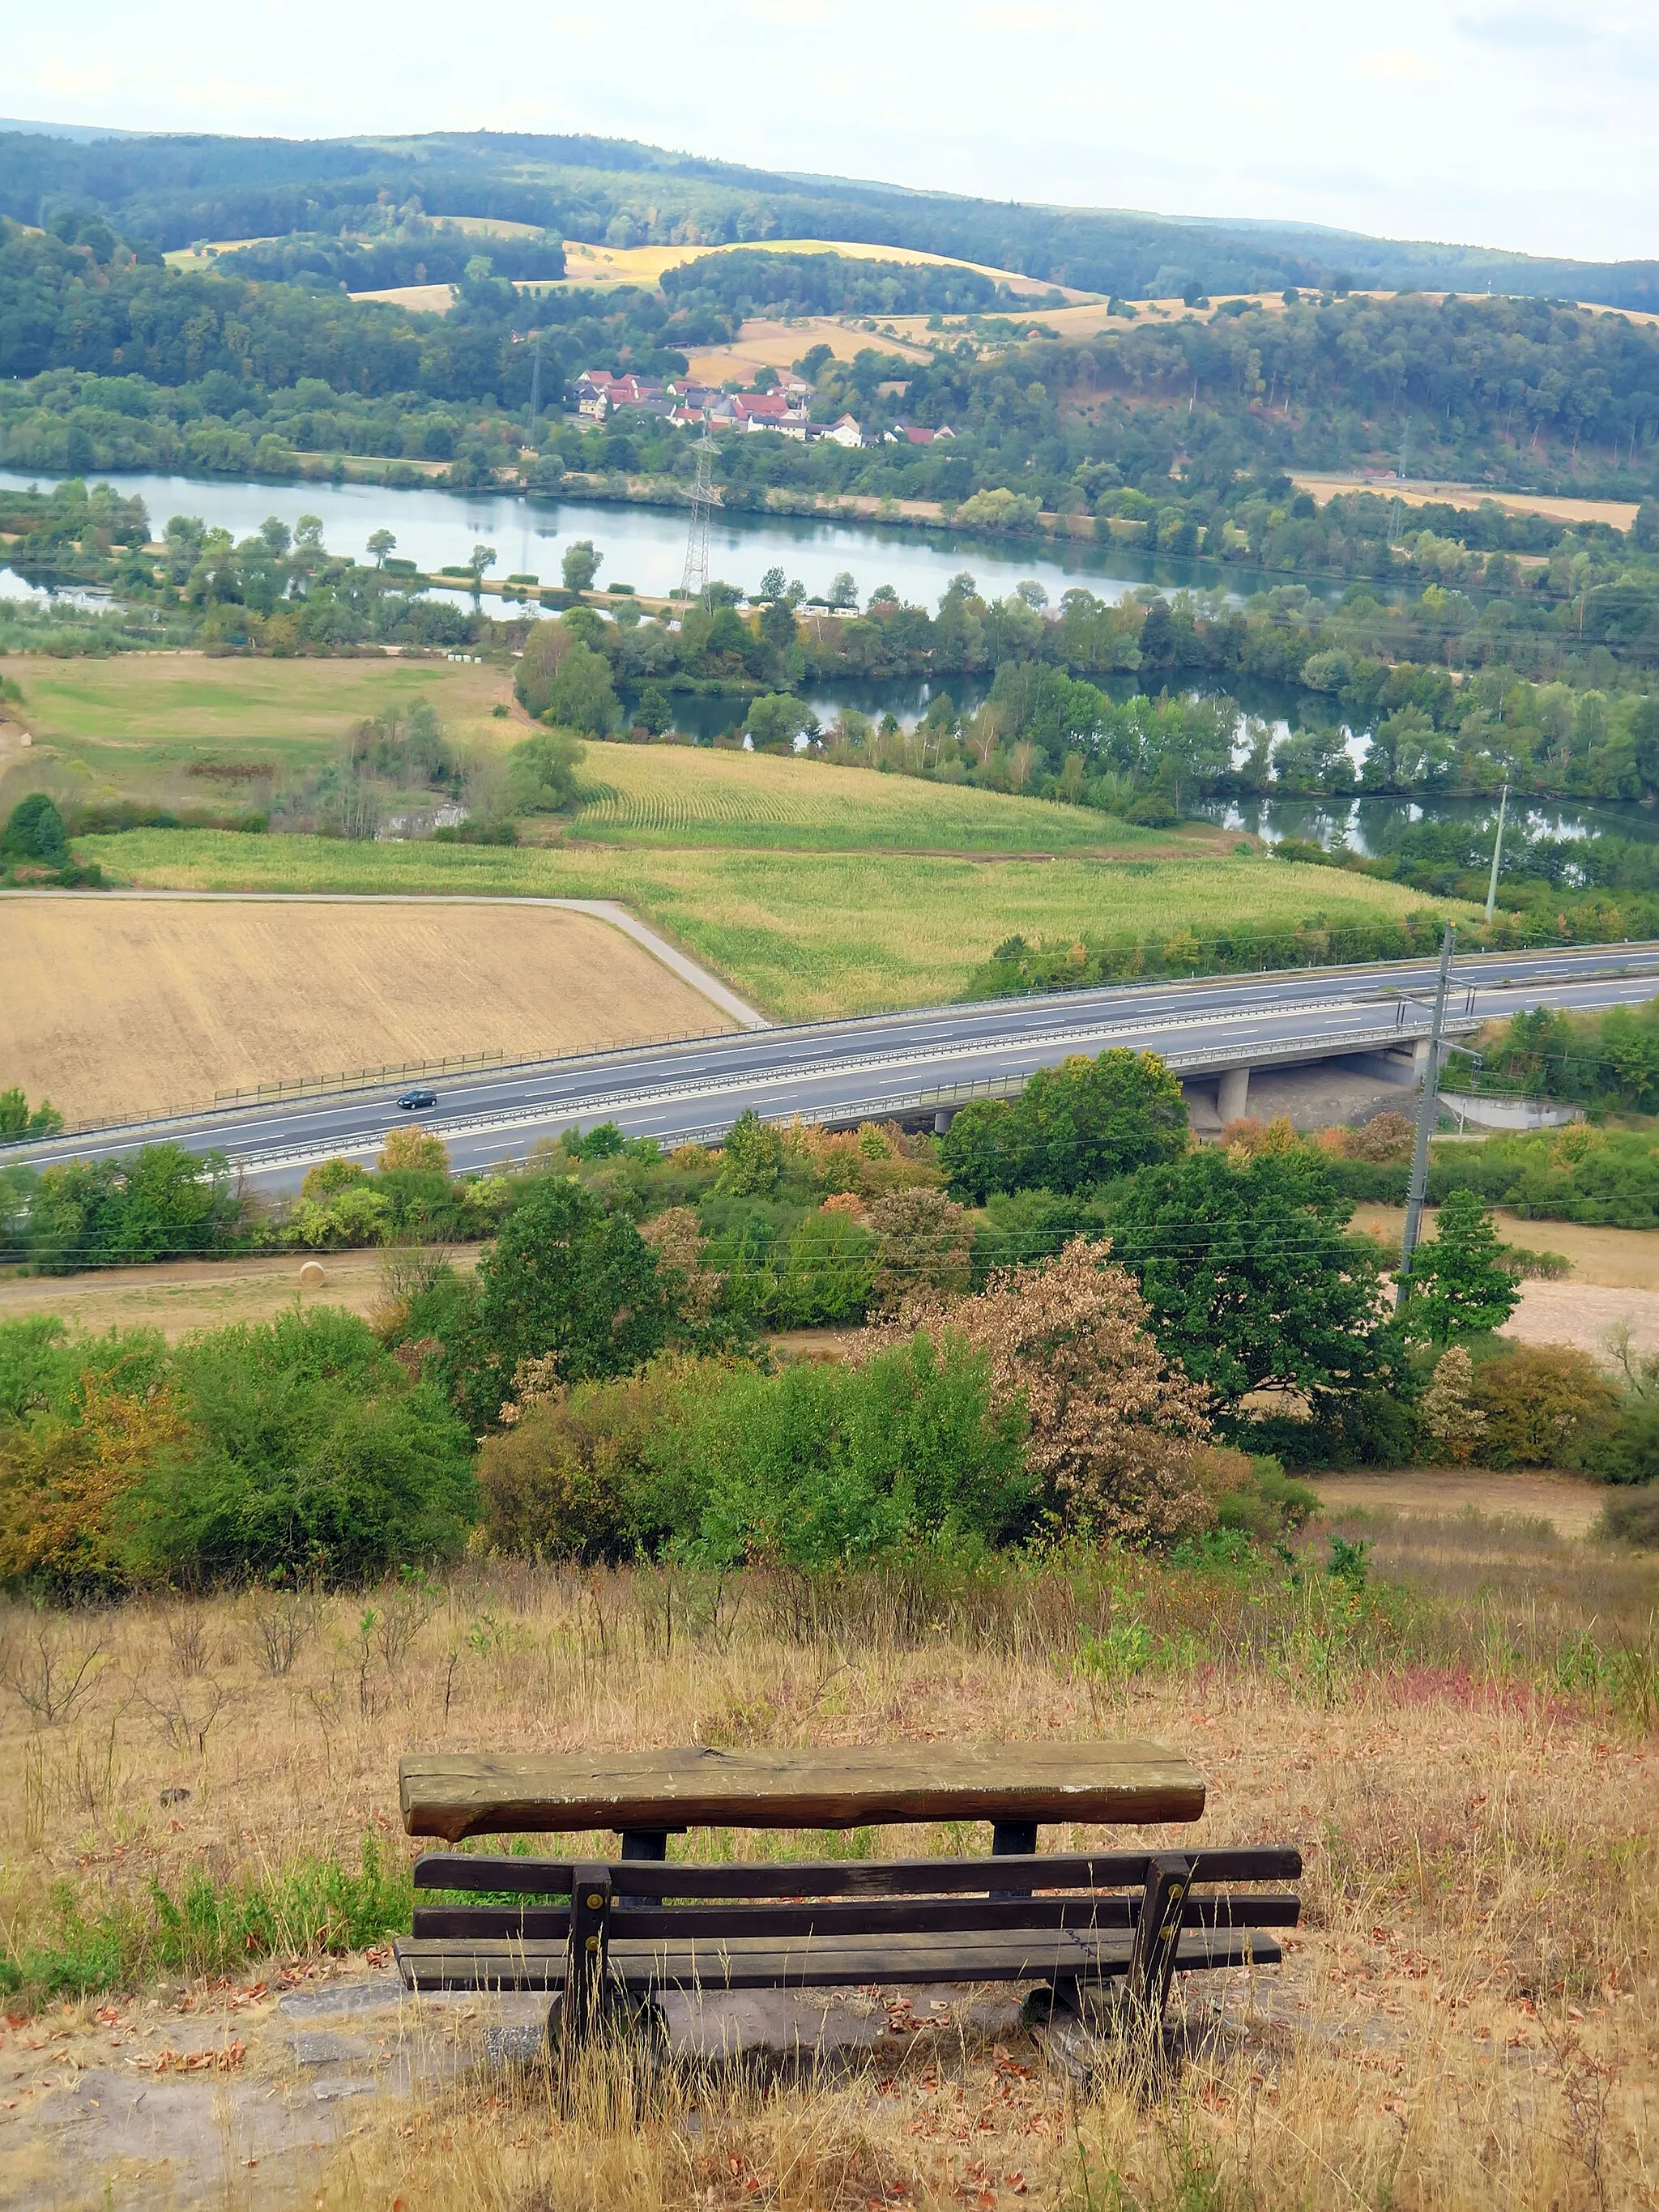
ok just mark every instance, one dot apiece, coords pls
pixel 747 1963
pixel 453 1795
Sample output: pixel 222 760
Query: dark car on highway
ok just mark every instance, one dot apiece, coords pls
pixel 412 1099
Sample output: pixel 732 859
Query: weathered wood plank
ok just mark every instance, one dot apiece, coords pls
pixel 485 1964
pixel 899 1916
pixel 467 1870
pixel 454 1795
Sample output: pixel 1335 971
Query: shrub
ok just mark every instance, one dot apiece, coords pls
pixel 63 1480
pixel 832 1263
pixel 924 1247
pixel 542 774
pixel 311 1452
pixel 34 831
pixel 1633 1520
pixel 823 1463
pixel 1023 1227
pixel 1073 1127
pixel 330 1178
pixel 566 1481
pixel 159 1203
pixel 18 1119
pixel 1545 1405
pixel 412 1150
pixel 1631 1452
pixel 1254 1495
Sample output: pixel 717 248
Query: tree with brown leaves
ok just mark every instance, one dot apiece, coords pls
pixel 1115 1427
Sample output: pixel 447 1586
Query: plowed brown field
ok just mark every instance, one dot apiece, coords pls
pixel 128 1006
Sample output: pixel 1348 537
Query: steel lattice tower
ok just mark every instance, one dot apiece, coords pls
pixel 694 583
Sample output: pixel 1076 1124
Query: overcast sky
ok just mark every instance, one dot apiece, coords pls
pixel 1528 125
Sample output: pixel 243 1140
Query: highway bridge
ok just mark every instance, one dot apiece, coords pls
pixel 907 1065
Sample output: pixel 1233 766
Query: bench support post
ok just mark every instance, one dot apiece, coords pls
pixel 648 1843
pixel 1011 1839
pixel 1158 1936
pixel 586 1958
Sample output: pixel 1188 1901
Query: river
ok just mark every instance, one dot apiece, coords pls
pixel 645 546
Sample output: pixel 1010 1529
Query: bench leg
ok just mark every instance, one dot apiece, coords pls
pixel 1158 1936
pixel 585 1958
pixel 648 1843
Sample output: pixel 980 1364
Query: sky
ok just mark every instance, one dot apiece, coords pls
pixel 1525 126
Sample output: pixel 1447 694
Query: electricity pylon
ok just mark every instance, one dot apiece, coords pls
pixel 694 583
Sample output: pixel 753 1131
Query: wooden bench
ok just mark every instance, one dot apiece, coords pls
pixel 586 1931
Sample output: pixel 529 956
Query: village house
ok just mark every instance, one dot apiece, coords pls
pixel 598 394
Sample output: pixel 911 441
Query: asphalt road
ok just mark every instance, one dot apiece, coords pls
pixel 893 1063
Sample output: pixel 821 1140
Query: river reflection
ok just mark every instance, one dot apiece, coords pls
pixel 645 546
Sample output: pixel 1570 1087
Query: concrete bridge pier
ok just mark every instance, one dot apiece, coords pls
pixel 1234 1094
pixel 942 1118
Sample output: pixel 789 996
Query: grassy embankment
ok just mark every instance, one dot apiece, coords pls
pixel 1466 2017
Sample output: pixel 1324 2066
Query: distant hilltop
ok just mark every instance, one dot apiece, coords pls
pixel 174 189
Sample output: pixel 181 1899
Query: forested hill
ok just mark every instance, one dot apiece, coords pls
pixel 173 189
pixel 108 359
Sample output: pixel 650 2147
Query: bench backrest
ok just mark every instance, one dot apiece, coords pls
pixel 654 1901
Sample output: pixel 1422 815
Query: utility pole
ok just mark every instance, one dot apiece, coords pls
pixel 1425 1120
pixel 1498 851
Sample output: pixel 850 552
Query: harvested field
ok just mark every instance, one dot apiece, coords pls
pixel 800 934
pixel 1618 513
pixel 125 1006
pixel 645 264
pixel 761 344
pixel 1586 1316
pixel 181 1295
pixel 1618 1259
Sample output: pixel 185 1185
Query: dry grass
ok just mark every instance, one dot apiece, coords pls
pixel 682 795
pixel 122 1006
pixel 1568 1505
pixel 1619 1259
pixel 133 726
pixel 181 1295
pixel 1467 2018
